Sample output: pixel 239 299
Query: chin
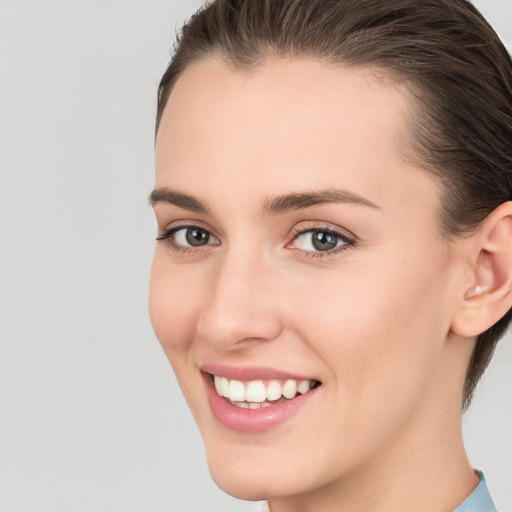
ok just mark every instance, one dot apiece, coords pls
pixel 242 486
pixel 261 476
pixel 240 474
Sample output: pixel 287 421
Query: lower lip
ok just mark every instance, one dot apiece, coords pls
pixel 253 420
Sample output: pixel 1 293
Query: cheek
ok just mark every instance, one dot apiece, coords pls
pixel 379 331
pixel 379 327
pixel 173 305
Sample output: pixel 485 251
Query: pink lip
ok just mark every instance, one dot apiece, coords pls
pixel 248 373
pixel 253 420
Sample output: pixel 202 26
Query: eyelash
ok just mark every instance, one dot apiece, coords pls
pixel 348 241
pixel 167 236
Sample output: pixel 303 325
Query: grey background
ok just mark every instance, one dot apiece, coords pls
pixel 91 416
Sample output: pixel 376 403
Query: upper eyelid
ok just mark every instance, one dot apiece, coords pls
pixel 176 225
pixel 323 226
pixel 172 230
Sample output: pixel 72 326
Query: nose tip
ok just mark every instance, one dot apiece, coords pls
pixel 237 327
pixel 240 310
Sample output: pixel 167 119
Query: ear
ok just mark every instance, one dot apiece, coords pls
pixel 489 296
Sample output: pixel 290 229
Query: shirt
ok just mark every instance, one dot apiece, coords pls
pixel 478 501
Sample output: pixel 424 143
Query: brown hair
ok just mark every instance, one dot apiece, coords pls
pixel 443 51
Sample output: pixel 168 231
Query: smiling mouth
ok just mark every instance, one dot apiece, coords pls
pixel 257 394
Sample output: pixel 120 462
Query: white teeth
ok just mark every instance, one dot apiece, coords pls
pixel 290 388
pixel 224 383
pixel 218 385
pixel 273 390
pixel 221 385
pixel 256 391
pixel 236 391
pixel 251 405
pixel 303 386
pixel 255 394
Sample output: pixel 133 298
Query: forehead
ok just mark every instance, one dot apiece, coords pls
pixel 283 124
pixel 294 96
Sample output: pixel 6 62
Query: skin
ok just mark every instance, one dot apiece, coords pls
pixel 373 321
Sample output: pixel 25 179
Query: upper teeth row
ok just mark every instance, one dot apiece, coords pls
pixel 257 391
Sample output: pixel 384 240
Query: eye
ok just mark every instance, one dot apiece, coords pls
pixel 320 240
pixel 195 237
pixel 187 238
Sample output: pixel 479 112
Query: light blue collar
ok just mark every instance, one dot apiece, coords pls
pixel 479 500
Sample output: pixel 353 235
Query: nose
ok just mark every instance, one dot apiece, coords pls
pixel 241 307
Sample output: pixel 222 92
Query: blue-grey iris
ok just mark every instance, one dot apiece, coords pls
pixel 197 237
pixel 323 241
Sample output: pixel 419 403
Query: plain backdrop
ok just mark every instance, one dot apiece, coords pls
pixel 91 416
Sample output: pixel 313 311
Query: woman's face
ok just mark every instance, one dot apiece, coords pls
pixel 299 249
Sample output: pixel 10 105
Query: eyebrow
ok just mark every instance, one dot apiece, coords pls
pixel 273 206
pixel 300 200
pixel 166 195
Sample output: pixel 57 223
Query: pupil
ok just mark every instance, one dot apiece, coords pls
pixel 196 237
pixel 323 241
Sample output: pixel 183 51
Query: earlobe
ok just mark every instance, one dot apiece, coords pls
pixel 490 295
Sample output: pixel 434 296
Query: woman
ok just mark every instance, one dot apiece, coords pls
pixel 334 258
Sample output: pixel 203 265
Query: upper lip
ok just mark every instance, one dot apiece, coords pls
pixel 248 373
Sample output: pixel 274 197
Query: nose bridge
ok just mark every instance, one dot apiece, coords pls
pixel 240 306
